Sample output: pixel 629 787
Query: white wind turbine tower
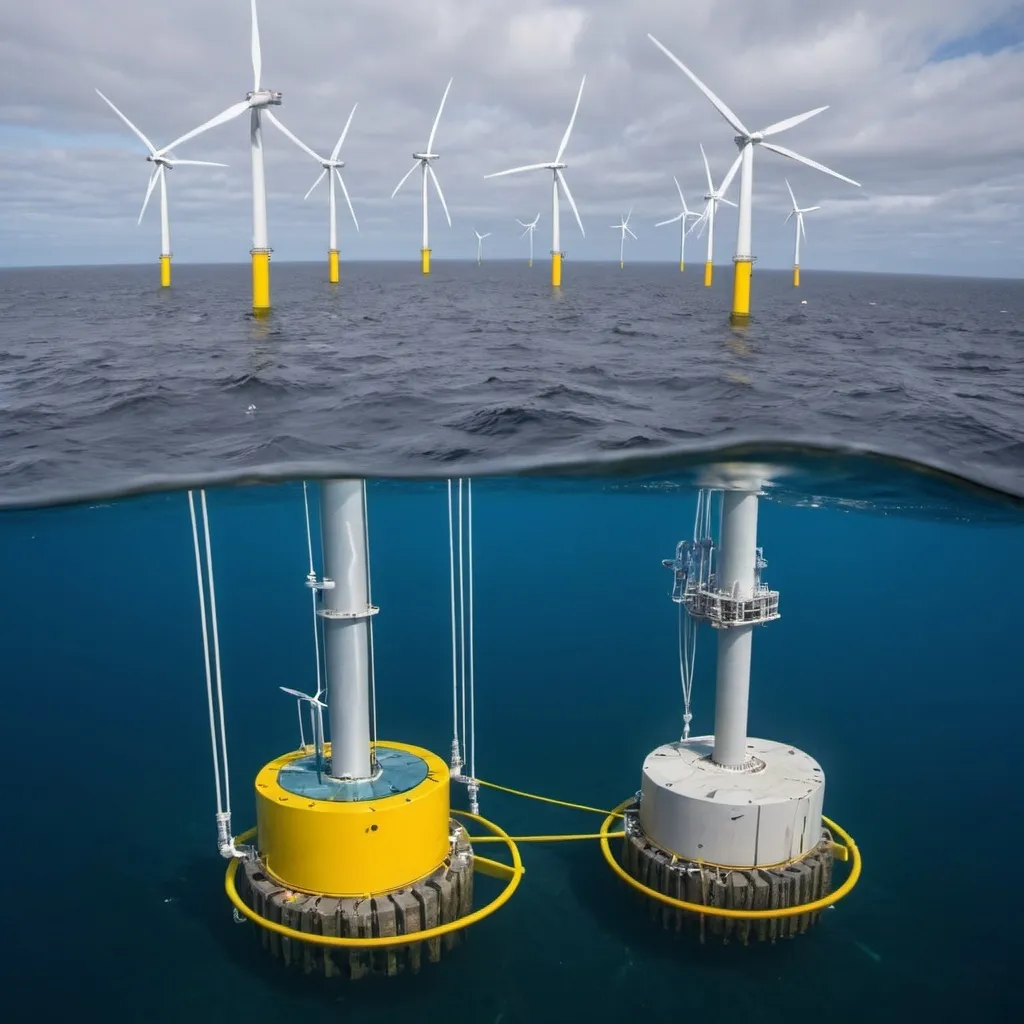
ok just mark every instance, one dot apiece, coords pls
pixel 257 102
pixel 332 170
pixel 423 162
pixel 800 230
pixel 162 162
pixel 529 229
pixel 624 227
pixel 707 218
pixel 480 245
pixel 747 140
pixel 684 214
pixel 556 166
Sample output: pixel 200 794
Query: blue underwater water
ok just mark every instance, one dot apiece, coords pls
pixel 896 664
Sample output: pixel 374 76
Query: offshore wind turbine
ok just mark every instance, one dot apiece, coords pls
pixel 800 230
pixel 162 162
pixel 685 214
pixel 257 102
pixel 746 141
pixel 332 170
pixel 529 230
pixel 624 227
pixel 480 245
pixel 423 162
pixel 713 197
pixel 556 166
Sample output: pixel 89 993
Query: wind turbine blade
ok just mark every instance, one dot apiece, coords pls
pixel 671 220
pixel 630 233
pixel 516 170
pixel 791 196
pixel 803 230
pixel 440 194
pixel 433 130
pixel 195 163
pixel 707 168
pixel 521 223
pixel 728 202
pixel 727 180
pixel 533 223
pixel 225 115
pixel 406 178
pixel 525 233
pixel 781 126
pixel 789 216
pixel 572 121
pixel 272 118
pixel 807 209
pixel 257 57
pixel 782 151
pixel 323 174
pixel 487 235
pixel 680 191
pixel 572 202
pixel 344 132
pixel 149 191
pixel 149 145
pixel 344 192
pixel 729 116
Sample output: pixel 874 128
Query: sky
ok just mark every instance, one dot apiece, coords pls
pixel 925 107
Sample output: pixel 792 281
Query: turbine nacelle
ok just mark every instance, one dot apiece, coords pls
pixel 263 98
pixel 424 157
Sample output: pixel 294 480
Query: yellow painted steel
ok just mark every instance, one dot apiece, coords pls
pixel 556 270
pixel 853 853
pixel 529 263
pixel 356 848
pixel 708 272
pixel 682 266
pixel 741 289
pixel 425 258
pixel 165 271
pixel 332 266
pixel 260 282
pixel 513 873
pixel 796 277
pixel 546 839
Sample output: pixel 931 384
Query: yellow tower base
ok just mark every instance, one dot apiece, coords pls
pixel 796 277
pixel 425 258
pixel 165 270
pixel 529 263
pixel 741 290
pixel 332 266
pixel 556 270
pixel 682 266
pixel 260 281
pixel 621 265
pixel 708 270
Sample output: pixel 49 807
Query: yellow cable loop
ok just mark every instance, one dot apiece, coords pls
pixel 550 800
pixel 746 915
pixel 545 839
pixel 383 941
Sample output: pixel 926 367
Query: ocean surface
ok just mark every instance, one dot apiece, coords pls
pixel 889 441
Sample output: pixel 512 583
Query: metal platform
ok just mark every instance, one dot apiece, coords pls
pixel 398 772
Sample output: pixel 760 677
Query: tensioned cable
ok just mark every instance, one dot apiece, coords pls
pixel 455 654
pixel 462 621
pixel 369 627
pixel 472 679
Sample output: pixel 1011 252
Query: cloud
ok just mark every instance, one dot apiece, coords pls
pixel 924 101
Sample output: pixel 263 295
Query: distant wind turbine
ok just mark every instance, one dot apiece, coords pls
pixel 423 162
pixel 685 214
pixel 332 170
pixel 529 230
pixel 747 140
pixel 624 227
pixel 162 162
pixel 707 218
pixel 556 166
pixel 800 230
pixel 480 244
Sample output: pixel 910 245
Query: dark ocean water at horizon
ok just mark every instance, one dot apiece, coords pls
pixel 885 420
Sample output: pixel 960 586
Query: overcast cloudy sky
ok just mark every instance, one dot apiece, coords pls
pixel 926 111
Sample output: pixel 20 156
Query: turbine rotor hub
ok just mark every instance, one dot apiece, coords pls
pixel 264 98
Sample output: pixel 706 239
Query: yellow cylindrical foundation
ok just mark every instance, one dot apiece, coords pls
pixel 529 263
pixel 332 266
pixel 425 256
pixel 682 266
pixel 353 848
pixel 165 271
pixel 556 270
pixel 260 281
pixel 741 289
pixel 796 277
pixel 708 269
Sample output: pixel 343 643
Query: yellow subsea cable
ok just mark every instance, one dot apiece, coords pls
pixel 545 839
pixel 701 908
pixel 382 941
pixel 548 799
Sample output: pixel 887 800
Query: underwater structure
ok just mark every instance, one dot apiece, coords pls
pixel 726 833
pixel 357 864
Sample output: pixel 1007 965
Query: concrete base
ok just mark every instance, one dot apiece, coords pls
pixel 758 889
pixel 443 897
